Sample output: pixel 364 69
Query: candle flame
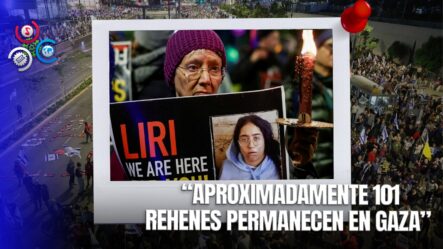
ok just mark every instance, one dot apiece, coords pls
pixel 308 43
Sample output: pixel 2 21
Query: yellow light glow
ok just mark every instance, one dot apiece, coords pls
pixel 308 43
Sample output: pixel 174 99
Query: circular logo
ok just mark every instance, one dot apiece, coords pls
pixel 47 51
pixel 27 31
pixel 21 57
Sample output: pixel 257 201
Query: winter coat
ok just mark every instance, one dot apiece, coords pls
pixel 235 168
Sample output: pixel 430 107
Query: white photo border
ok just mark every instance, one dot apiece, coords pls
pixel 126 201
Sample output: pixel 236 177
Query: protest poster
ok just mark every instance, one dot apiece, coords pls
pixel 121 83
pixel 176 138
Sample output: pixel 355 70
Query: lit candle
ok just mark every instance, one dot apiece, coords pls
pixel 304 69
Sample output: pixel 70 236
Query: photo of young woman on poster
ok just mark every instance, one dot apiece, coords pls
pixel 253 153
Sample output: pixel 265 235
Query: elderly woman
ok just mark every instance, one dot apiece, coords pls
pixel 195 62
pixel 253 153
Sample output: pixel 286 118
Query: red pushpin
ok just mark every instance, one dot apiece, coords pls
pixel 355 18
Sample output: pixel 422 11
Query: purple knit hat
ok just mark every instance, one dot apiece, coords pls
pixel 183 42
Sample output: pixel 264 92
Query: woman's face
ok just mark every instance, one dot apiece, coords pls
pixel 252 144
pixel 324 54
pixel 201 82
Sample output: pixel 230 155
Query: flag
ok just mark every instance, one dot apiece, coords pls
pixel 363 136
pixel 424 135
pixel 427 150
pixel 51 157
pixel 384 134
pixel 411 104
pixel 396 122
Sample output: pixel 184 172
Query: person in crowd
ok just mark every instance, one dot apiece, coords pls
pixel 348 240
pixel 45 194
pixel 36 195
pixel 89 168
pixel 79 176
pixel 260 68
pixel 254 153
pixel 147 62
pixel 88 131
pixel 19 171
pixel 71 173
pixel 322 104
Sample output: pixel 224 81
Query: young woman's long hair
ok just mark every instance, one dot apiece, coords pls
pixel 271 145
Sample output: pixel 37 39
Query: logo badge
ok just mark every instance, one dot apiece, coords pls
pixel 21 57
pixel 45 50
pixel 27 32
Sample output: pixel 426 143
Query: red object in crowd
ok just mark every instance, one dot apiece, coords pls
pixel 382 152
pixel 372 139
pixel 59 152
pixel 355 18
pixel 416 135
pixel 372 156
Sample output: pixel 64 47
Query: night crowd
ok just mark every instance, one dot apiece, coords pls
pixel 204 11
pixel 397 138
pixel 78 22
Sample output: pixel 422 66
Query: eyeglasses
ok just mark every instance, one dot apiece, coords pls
pixel 193 72
pixel 245 141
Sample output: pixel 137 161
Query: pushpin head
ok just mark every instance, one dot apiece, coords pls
pixel 362 9
pixel 355 18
